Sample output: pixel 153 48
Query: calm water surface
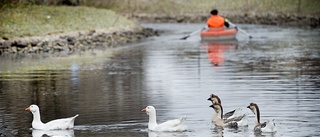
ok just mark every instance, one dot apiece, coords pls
pixel 278 69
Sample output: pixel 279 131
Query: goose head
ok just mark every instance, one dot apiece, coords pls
pixel 149 110
pixel 33 108
pixel 218 109
pixel 214 99
pixel 255 109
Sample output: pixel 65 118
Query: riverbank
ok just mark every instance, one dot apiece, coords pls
pixel 73 42
pixel 37 29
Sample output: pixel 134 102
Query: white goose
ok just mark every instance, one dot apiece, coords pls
pixel 229 115
pixel 232 122
pixel 171 125
pixel 64 123
pixel 268 126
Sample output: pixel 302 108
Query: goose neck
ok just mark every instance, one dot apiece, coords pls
pixel 220 113
pixel 257 113
pixel 152 121
pixel 215 116
pixel 36 116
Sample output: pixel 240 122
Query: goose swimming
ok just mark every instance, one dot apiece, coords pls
pixel 170 125
pixel 268 126
pixel 58 124
pixel 229 115
pixel 232 122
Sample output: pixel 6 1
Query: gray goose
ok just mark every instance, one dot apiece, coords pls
pixel 229 115
pixel 268 126
pixel 232 122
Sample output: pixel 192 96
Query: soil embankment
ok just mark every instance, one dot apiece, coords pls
pixel 73 42
pixel 49 29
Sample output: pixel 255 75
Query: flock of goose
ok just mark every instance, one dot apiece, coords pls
pixel 232 119
pixel 236 118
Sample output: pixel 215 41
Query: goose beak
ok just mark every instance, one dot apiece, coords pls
pixel 209 99
pixel 28 109
pixel 248 107
pixel 143 110
pixel 211 106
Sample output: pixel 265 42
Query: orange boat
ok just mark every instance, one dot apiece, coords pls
pixel 219 34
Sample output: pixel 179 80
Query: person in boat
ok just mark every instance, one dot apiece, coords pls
pixel 216 21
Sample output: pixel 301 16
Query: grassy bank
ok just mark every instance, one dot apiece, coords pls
pixel 33 20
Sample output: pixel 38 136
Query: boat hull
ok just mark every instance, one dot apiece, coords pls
pixel 218 34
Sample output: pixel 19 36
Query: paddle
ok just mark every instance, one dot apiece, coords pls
pixel 193 33
pixel 241 30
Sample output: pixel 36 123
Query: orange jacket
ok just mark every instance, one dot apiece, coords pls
pixel 215 21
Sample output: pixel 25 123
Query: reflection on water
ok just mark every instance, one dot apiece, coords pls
pixel 279 69
pixel 217 49
pixel 166 134
pixel 218 131
pixel 53 133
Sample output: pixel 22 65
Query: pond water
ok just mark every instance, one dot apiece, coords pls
pixel 278 69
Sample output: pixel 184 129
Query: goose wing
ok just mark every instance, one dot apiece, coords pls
pixel 173 125
pixel 228 114
pixel 270 126
pixel 63 123
pixel 263 125
pixel 234 119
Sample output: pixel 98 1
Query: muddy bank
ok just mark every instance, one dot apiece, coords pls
pixel 250 18
pixel 73 42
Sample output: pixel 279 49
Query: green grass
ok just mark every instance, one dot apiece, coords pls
pixel 38 20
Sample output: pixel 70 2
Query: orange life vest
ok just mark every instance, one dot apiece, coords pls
pixel 215 21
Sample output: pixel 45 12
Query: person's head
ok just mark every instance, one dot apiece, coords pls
pixel 214 12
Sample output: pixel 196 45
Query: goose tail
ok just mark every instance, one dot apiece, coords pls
pixel 72 119
pixel 76 116
pixel 184 118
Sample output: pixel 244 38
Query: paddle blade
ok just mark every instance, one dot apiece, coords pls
pixel 193 33
pixel 184 38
